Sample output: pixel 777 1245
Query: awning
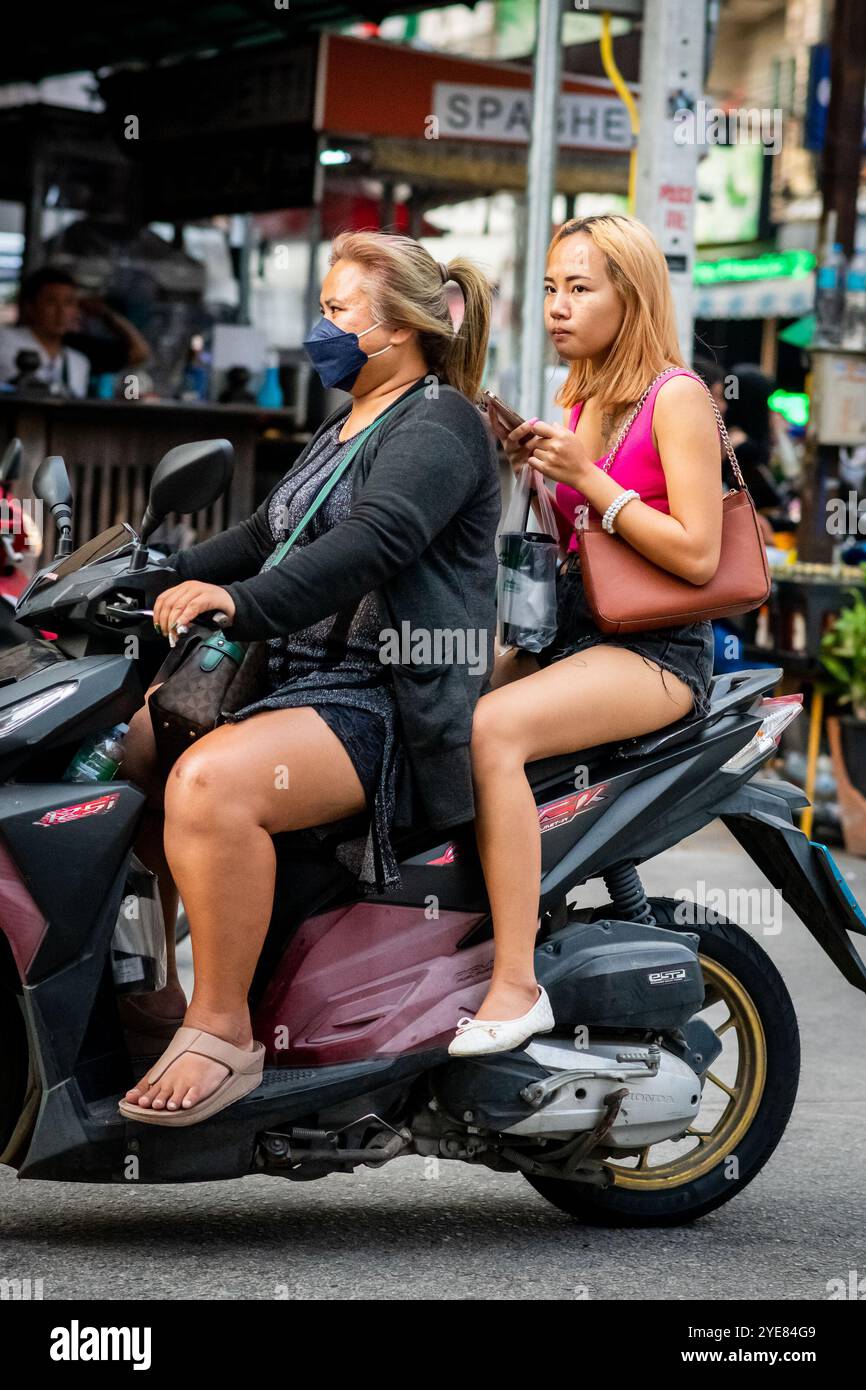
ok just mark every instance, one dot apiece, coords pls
pixel 785 298
pixel 94 34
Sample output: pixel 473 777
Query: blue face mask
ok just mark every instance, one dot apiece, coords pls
pixel 337 355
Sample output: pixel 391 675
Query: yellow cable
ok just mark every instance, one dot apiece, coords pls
pixel 816 720
pixel 623 92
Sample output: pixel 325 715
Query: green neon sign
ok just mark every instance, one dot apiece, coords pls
pixel 793 406
pixel 775 265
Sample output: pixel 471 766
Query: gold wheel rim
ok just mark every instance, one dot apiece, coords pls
pixel 744 1094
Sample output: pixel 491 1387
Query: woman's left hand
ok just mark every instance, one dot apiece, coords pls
pixel 559 456
pixel 176 608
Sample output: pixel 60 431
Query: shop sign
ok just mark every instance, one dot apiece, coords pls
pixel 476 111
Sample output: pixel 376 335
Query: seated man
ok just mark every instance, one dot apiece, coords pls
pixel 50 306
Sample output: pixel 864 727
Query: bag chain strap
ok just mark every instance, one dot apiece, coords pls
pixel 729 448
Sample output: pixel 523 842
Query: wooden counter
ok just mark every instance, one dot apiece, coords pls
pixel 112 447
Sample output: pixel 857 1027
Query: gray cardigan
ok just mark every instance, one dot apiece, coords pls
pixel 421 536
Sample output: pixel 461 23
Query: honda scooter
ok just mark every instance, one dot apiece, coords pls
pixel 672 1070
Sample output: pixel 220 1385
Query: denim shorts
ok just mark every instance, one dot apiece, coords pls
pixel 687 651
pixel 362 734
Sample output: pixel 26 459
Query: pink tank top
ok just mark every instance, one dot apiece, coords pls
pixel 637 465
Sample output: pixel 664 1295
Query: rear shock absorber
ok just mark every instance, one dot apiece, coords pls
pixel 627 897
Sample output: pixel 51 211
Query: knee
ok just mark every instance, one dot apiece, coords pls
pixel 496 743
pixel 200 789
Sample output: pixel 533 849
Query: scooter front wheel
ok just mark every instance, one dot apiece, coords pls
pixel 748 1094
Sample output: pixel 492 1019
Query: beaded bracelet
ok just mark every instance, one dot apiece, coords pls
pixel 616 507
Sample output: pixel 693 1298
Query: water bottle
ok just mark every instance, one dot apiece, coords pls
pixel 98 758
pixel 830 295
pixel 271 392
pixel 854 319
pixel 195 377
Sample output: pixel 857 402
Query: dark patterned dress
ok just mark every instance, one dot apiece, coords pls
pixel 334 665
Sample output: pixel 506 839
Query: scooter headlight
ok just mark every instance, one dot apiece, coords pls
pixel 32 705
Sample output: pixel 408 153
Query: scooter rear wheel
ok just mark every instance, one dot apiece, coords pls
pixel 744 1112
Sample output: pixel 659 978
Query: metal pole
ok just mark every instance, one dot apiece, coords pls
pixel 543 153
pixel 245 267
pixel 672 82
pixel 33 210
pixel 311 293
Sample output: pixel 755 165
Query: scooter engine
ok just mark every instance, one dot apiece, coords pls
pixel 630 1095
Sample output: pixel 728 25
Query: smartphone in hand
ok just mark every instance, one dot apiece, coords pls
pixel 503 412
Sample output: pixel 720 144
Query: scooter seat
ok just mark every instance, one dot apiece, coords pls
pixel 728 692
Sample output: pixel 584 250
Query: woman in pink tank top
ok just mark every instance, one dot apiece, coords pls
pixel 637 465
pixel 609 312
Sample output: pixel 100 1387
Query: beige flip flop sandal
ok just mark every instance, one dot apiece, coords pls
pixel 245 1074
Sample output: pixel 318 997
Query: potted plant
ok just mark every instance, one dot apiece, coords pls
pixel 843 655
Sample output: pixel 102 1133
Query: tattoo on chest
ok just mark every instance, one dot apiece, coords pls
pixel 608 425
pixel 611 424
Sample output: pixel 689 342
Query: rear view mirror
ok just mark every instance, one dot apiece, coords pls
pixel 187 479
pixel 10 463
pixel 51 485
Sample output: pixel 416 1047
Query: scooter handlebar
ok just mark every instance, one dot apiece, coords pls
pixel 212 618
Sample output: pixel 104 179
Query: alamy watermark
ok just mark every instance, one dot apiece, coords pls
pixel 749 907
pixel 22 517
pixel 21 1290
pixel 437 646
pixel 746 125
pixel 846 516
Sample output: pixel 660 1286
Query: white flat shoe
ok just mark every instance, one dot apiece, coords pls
pixel 476 1037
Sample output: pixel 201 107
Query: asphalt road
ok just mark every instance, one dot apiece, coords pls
pixel 470 1234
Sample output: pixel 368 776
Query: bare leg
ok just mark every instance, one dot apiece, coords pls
pixel 140 766
pixel 599 696
pixel 244 783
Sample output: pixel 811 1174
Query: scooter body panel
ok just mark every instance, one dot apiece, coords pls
pixel 372 979
pixel 68 842
pixel 98 692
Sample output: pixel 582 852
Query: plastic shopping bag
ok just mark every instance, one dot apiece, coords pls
pixel 138 954
pixel 527 567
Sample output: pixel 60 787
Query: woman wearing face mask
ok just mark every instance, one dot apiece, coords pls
pixel 609 312
pixel 404 541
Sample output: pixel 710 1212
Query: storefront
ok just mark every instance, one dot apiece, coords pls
pixel 743 303
pixel 288 142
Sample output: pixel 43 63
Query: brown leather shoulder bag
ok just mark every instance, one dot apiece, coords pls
pixel 628 593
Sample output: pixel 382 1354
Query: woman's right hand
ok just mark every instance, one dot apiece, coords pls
pixel 179 606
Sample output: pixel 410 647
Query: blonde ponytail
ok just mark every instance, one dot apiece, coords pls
pixel 467 348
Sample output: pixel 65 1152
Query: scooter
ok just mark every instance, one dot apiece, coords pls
pixel 673 1066
pixel 13 544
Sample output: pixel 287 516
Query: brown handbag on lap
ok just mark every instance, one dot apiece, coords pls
pixel 209 677
pixel 628 593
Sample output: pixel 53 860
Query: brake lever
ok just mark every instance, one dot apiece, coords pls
pixel 118 611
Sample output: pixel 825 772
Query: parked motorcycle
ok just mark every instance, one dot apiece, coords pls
pixel 13 545
pixel 672 1070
